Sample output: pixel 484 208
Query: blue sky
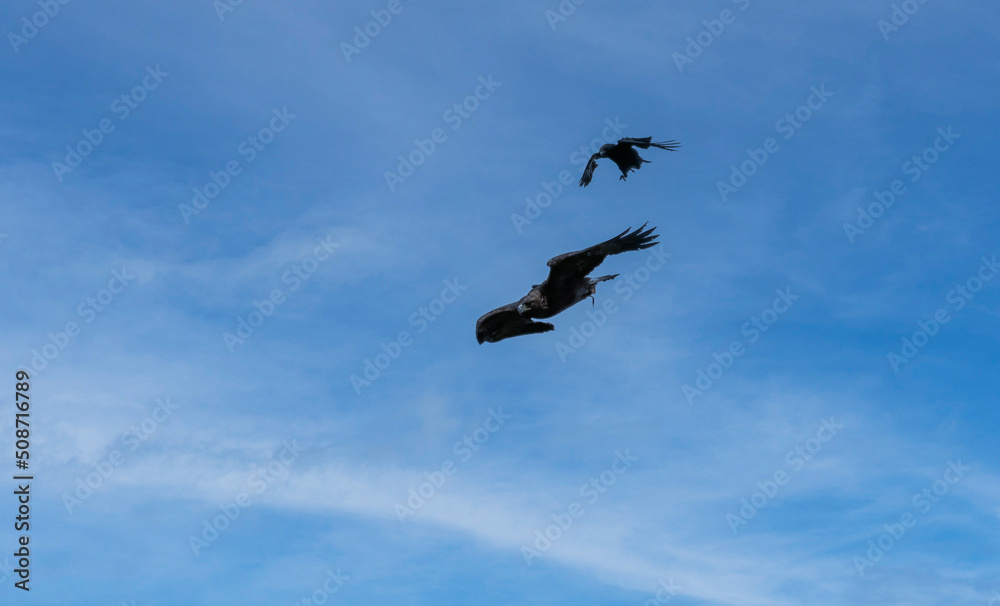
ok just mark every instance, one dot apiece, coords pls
pixel 738 420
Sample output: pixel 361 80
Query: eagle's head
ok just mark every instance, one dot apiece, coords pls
pixel 603 152
pixel 530 303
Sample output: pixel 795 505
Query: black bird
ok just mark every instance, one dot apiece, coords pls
pixel 624 155
pixel 566 286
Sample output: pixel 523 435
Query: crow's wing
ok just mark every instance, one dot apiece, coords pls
pixel 504 322
pixel 580 263
pixel 647 142
pixel 588 173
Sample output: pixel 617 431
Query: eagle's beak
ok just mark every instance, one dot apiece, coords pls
pixel 522 309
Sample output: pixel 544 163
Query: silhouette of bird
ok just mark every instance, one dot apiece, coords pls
pixel 566 286
pixel 624 155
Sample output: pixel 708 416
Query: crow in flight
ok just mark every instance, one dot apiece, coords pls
pixel 566 286
pixel 624 155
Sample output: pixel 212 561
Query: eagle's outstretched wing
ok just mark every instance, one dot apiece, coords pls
pixel 582 262
pixel 588 173
pixel 647 142
pixel 504 322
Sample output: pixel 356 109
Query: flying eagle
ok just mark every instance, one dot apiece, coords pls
pixel 624 155
pixel 566 286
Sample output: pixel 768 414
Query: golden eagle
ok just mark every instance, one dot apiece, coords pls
pixel 566 286
pixel 624 155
